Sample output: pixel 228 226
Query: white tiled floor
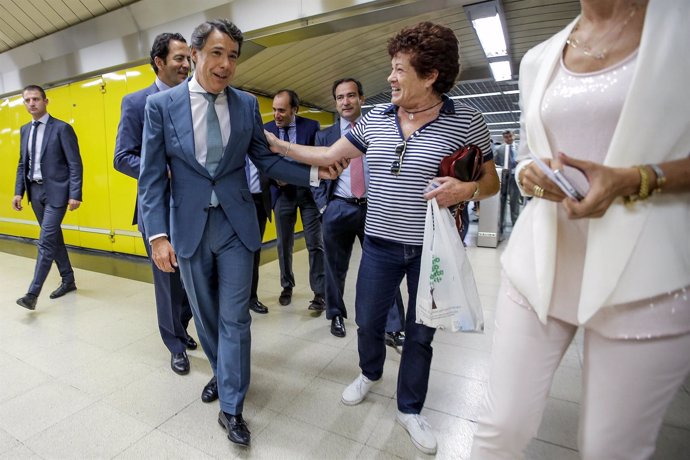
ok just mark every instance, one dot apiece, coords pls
pixel 87 376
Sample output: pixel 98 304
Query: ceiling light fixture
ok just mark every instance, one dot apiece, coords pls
pixel 488 22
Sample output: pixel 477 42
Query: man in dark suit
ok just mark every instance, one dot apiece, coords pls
pixel 200 134
pixel 288 198
pixel 50 172
pixel 170 61
pixel 259 186
pixel 505 156
pixel 343 203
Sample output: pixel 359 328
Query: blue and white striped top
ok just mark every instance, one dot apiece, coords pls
pixel 396 207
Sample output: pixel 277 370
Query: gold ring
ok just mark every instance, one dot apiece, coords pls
pixel 538 191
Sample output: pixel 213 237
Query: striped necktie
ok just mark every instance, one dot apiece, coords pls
pixel 357 185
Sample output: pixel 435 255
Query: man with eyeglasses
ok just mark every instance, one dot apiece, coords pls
pixel 343 204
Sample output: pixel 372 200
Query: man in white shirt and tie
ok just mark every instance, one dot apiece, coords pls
pixel 505 155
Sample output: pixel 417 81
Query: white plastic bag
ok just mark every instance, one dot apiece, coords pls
pixel 447 296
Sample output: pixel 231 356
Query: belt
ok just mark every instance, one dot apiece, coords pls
pixel 39 182
pixel 356 201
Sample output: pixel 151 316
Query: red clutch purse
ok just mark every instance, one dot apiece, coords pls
pixel 464 164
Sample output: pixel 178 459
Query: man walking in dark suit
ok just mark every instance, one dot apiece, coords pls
pixel 298 130
pixel 343 203
pixel 170 61
pixel 505 156
pixel 50 172
pixel 200 134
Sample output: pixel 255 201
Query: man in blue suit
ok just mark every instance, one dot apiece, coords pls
pixel 343 203
pixel 50 172
pixel 289 198
pixel 200 134
pixel 170 62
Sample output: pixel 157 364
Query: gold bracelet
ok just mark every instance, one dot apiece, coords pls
pixel 643 192
pixel 476 193
pixel 660 178
pixel 288 149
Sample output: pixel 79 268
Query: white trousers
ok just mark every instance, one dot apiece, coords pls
pixel 627 387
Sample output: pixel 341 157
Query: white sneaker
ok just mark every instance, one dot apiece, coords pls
pixel 420 432
pixel 357 390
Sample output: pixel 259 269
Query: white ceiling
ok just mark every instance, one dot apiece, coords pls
pixel 300 44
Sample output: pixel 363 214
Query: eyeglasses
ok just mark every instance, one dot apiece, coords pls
pixel 396 166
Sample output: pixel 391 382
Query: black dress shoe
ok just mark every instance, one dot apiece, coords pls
pixel 238 431
pixel 338 326
pixel 179 362
pixel 28 301
pixel 318 303
pixel 63 289
pixel 190 343
pixel 210 391
pixel 258 307
pixel 285 297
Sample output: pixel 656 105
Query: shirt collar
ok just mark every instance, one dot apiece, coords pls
pixel 43 119
pixel 344 123
pixel 195 87
pixel 447 107
pixel 161 86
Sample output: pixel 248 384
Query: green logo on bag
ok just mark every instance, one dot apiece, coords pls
pixel 436 273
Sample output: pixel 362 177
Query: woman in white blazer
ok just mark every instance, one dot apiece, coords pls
pixel 609 91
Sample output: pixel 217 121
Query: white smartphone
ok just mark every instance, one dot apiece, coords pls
pixel 559 178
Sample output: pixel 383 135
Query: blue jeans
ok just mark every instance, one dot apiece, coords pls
pixel 384 265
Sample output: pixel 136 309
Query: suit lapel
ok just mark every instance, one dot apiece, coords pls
pixel 236 125
pixel 180 113
pixel 47 136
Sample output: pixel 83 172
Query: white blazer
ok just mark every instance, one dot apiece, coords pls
pixel 632 253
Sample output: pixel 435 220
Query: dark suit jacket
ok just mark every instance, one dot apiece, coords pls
pixel 169 143
pixel 323 194
pixel 306 133
pixel 61 165
pixel 129 134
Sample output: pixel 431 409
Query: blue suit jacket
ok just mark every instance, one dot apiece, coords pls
pixel 169 143
pixel 306 133
pixel 61 165
pixel 324 192
pixel 129 135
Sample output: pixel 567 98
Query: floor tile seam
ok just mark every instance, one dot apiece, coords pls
pixel 474 379
pixel 551 443
pixel 325 430
pixel 131 444
pixel 104 396
pixel 449 414
pixel 40 433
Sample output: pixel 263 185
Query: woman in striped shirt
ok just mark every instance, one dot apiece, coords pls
pixel 404 143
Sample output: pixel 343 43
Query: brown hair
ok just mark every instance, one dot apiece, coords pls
pixel 430 46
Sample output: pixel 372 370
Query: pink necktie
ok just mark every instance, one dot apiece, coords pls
pixel 357 175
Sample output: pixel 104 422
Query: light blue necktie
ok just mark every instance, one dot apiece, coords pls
pixel 214 140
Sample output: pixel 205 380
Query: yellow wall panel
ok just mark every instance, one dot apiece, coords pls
pixel 92 107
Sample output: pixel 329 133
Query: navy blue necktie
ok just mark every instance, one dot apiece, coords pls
pixel 32 152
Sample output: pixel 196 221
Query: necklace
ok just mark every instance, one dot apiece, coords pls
pixel 601 54
pixel 410 115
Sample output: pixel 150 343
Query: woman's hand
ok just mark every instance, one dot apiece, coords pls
pixel 532 179
pixel 333 171
pixel 451 191
pixel 606 184
pixel 273 142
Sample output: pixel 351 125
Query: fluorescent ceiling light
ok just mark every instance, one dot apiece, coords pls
pixel 501 70
pixel 503 123
pixel 490 33
pixel 512 91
